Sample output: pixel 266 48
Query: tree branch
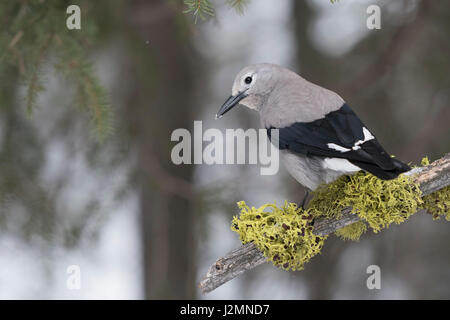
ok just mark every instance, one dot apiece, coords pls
pixel 431 178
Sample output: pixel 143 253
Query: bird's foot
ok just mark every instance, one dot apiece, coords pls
pixel 305 197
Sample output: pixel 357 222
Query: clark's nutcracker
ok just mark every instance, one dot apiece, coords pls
pixel 320 137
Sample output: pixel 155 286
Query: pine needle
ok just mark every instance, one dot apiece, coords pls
pixel 238 5
pixel 199 8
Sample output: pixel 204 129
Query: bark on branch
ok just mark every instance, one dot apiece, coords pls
pixel 430 178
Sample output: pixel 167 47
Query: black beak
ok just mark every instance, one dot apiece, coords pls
pixel 230 103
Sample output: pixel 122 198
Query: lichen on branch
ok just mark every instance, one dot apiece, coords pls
pixel 285 234
pixel 437 203
pixel 377 202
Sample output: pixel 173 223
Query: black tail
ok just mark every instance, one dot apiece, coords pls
pixel 385 174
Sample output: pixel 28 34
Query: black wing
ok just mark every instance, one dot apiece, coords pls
pixel 340 134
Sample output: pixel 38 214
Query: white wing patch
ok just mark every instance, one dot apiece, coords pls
pixel 337 147
pixel 338 164
pixel 367 136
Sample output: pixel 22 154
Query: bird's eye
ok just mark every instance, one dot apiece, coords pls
pixel 248 80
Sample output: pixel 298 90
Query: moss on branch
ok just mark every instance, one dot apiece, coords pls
pixel 285 234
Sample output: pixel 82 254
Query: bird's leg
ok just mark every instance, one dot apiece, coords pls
pixel 303 203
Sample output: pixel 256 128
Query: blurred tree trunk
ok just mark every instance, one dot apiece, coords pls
pixel 313 65
pixel 161 101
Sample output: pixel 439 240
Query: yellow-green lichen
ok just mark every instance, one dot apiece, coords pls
pixel 378 202
pixel 425 161
pixel 283 234
pixel 352 232
pixel 438 203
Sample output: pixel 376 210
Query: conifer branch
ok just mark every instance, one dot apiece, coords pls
pixel 204 8
pixel 35 84
pixel 238 5
pixel 31 33
pixel 199 8
pixel 90 93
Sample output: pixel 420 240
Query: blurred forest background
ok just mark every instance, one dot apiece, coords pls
pixel 85 122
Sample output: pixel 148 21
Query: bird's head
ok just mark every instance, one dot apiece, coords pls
pixel 252 86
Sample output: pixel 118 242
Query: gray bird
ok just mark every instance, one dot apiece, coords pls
pixel 320 137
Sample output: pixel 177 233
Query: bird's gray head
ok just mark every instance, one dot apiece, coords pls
pixel 252 86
